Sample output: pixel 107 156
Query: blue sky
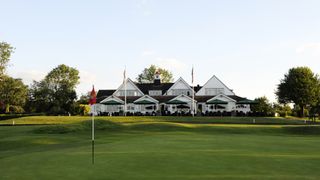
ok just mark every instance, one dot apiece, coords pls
pixel 248 44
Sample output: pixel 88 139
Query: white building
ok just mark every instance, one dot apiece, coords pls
pixel 214 98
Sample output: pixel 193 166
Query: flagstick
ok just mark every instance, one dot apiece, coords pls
pixel 193 104
pixel 93 135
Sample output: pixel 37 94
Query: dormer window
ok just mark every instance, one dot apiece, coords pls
pixel 155 92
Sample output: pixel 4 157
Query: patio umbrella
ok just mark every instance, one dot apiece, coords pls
pixel 111 102
pixel 176 102
pixel 144 102
pixel 181 106
pixel 217 101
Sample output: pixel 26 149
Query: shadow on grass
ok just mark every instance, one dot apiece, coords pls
pixel 111 126
pixel 303 130
pixel 78 127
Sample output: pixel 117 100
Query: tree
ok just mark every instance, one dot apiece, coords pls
pixel 147 75
pixel 40 97
pixel 300 86
pixel 283 109
pixel 12 92
pixel 5 53
pixel 81 106
pixel 263 107
pixel 84 98
pixel 63 77
pixel 55 94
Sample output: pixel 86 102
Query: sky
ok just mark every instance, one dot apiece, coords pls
pixel 249 44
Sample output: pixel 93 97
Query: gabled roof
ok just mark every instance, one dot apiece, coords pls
pixel 146 98
pixel 103 93
pixel 128 80
pixel 216 101
pixel 219 81
pixel 180 80
pixel 111 99
pixel 221 96
pixel 206 98
pixel 182 96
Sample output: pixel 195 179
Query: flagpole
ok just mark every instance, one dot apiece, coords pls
pixel 193 104
pixel 93 134
pixel 92 102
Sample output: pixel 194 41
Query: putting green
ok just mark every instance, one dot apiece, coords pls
pixel 141 149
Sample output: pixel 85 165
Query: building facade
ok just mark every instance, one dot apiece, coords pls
pixel 214 98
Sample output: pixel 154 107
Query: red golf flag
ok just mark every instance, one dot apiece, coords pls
pixel 93 97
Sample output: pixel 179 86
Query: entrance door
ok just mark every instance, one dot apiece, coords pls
pixel 200 108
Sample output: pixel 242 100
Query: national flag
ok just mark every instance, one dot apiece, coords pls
pixel 93 97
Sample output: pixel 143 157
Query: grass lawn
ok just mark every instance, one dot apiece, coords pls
pixel 159 148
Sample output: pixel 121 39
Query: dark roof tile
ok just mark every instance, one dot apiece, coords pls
pixel 146 87
pixel 102 94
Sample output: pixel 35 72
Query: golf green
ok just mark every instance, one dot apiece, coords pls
pixel 160 150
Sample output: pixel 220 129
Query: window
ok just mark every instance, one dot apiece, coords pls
pixel 177 92
pixel 155 92
pixel 129 93
pixel 130 107
pixel 214 91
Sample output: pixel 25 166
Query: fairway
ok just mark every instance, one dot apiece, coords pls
pixel 159 148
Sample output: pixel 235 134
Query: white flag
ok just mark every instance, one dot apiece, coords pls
pixel 192 75
pixel 124 75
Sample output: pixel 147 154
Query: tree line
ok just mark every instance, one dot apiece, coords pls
pixel 55 94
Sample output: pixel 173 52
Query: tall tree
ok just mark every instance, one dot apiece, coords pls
pixel 263 107
pixel 147 75
pixel 12 92
pixel 300 86
pixel 63 76
pixel 40 97
pixel 56 93
pixel 5 53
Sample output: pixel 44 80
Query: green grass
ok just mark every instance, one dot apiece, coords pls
pixel 159 148
pixel 32 120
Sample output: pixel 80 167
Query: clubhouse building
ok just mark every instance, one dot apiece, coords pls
pixel 214 98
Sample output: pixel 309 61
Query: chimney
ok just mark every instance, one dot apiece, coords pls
pixel 157 79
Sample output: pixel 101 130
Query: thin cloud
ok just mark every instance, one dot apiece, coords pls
pixel 313 48
pixel 172 64
pixel 142 5
pixel 87 77
pixel 29 76
pixel 147 52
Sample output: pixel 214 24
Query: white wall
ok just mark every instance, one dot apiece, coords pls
pixel 179 85
pixel 214 82
pixel 130 86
